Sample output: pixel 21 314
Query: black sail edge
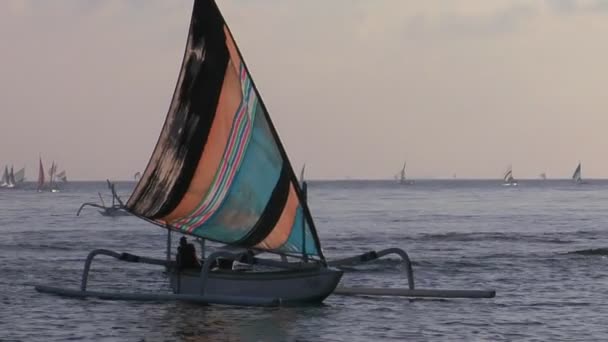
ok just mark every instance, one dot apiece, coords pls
pixel 190 145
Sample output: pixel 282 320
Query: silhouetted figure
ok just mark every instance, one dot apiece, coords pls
pixel 186 255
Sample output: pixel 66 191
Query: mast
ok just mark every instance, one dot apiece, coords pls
pixel 52 175
pixel 40 175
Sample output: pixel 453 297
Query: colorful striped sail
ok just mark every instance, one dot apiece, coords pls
pixel 219 170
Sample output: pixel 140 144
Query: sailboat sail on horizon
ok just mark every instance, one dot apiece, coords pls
pixel 508 179
pixel 20 176
pixel 5 178
pixel 402 176
pixel 40 176
pixel 62 176
pixel 577 175
pixel 52 178
pixel 11 178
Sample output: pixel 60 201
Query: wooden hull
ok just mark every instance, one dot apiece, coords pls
pixel 291 286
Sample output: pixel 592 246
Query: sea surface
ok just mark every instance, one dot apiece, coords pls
pixel 542 246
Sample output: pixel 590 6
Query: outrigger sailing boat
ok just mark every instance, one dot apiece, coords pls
pixel 576 176
pixel 402 179
pixel 11 179
pixel 219 172
pixel 508 179
pixel 52 178
pixel 114 210
pixel 6 181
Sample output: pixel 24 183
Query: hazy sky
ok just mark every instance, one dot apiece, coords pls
pixel 353 86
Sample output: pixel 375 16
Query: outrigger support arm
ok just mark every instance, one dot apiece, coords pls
pixel 83 293
pixel 90 204
pixel 411 292
pixel 120 256
pixel 373 255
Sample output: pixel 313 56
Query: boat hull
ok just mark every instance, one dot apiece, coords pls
pixel 288 287
pixel 113 212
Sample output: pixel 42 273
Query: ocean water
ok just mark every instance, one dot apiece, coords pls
pixel 542 246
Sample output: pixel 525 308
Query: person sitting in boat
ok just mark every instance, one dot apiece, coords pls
pixel 186 255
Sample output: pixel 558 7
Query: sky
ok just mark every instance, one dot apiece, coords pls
pixel 354 87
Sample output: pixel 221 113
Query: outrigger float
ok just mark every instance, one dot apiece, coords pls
pixel 219 172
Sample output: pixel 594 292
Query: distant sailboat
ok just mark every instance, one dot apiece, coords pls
pixel 52 175
pixel 508 179
pixel 5 180
pixel 402 178
pixel 62 176
pixel 543 176
pixel 137 176
pixel 11 179
pixel 20 176
pixel 576 176
pixel 40 176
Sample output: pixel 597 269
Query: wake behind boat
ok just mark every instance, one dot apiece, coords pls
pixel 220 173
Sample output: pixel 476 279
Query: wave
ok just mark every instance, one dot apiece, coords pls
pixel 491 236
pixel 591 251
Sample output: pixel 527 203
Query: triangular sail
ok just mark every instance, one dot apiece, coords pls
pixel 62 176
pixel 576 176
pixel 20 175
pixel 40 176
pixel 508 177
pixel 402 174
pixel 219 170
pixel 4 181
pixel 52 171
